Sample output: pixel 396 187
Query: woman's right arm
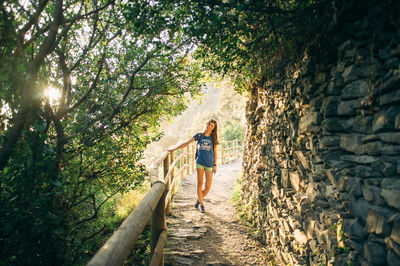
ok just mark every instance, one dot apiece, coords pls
pixel 182 145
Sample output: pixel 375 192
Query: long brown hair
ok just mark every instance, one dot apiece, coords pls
pixel 214 132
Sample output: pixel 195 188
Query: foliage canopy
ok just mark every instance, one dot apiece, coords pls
pixel 250 39
pixel 83 87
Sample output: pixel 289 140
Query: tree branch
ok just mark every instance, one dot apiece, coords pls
pixel 92 87
pixel 14 133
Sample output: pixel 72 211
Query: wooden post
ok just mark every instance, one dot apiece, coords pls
pixel 170 185
pixel 157 258
pixel 158 225
pixel 187 161
pixel 222 153
pixel 236 153
pixel 120 244
pixel 182 164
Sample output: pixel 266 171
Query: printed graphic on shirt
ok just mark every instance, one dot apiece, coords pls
pixel 205 145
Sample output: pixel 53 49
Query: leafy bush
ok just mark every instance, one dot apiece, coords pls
pixel 232 131
pixel 84 85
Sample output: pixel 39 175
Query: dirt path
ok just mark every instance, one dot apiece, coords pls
pixel 215 237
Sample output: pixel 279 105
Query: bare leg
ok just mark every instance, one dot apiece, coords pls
pixel 200 173
pixel 209 177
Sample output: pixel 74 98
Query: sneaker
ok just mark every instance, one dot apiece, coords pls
pixel 196 205
pixel 202 208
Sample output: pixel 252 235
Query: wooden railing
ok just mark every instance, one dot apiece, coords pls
pixel 165 173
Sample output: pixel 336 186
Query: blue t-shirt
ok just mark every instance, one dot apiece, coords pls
pixel 205 148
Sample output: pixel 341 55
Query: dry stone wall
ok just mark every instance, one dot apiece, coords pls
pixel 321 161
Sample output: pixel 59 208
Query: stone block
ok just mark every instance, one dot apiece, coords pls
pixel 320 235
pixel 332 176
pixel 322 203
pixel 344 46
pixel 275 191
pixel 388 165
pixel 311 192
pixel 353 257
pixel 328 218
pixel 285 178
pixel 397 122
pixel 331 243
pixel 295 180
pixel 348 108
pixel 369 138
pixel 390 83
pixel 310 228
pixel 392 245
pixel 333 160
pixel 300 236
pixel 377 222
pixel 355 89
pixel 318 169
pixel 282 236
pixel 350 184
pixel 286 226
pixel 359 208
pixel 361 124
pixel 373 148
pixel 398 167
pixel 303 160
pixel 334 87
pixel 354 245
pixel 351 53
pixel 395 234
pixel 333 125
pixel 390 137
pixel 309 122
pixel 380 122
pixel 385 119
pixel 375 253
pixel 372 194
pixel 365 171
pixel 390 98
pixel 393 259
pixel 320 78
pixel 360 159
pixel 329 106
pixel 329 141
pixel 331 191
pixel 351 142
pixel 350 74
pixel 391 191
pixel 355 230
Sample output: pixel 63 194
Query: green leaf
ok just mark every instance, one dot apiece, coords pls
pixel 40 125
pixel 21 67
pixel 56 183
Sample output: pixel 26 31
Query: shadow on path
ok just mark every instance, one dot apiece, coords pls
pixel 215 237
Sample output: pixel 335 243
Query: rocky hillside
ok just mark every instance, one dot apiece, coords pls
pixel 219 101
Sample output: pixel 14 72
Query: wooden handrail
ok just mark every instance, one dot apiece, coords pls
pixel 117 248
pixel 155 204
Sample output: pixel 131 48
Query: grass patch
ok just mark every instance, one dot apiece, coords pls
pixel 236 191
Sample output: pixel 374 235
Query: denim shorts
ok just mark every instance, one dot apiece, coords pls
pixel 207 169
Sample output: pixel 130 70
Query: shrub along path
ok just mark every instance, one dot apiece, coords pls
pixel 216 237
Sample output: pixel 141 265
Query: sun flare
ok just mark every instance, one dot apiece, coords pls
pixel 52 94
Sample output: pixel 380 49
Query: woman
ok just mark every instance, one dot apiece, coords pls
pixel 206 161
